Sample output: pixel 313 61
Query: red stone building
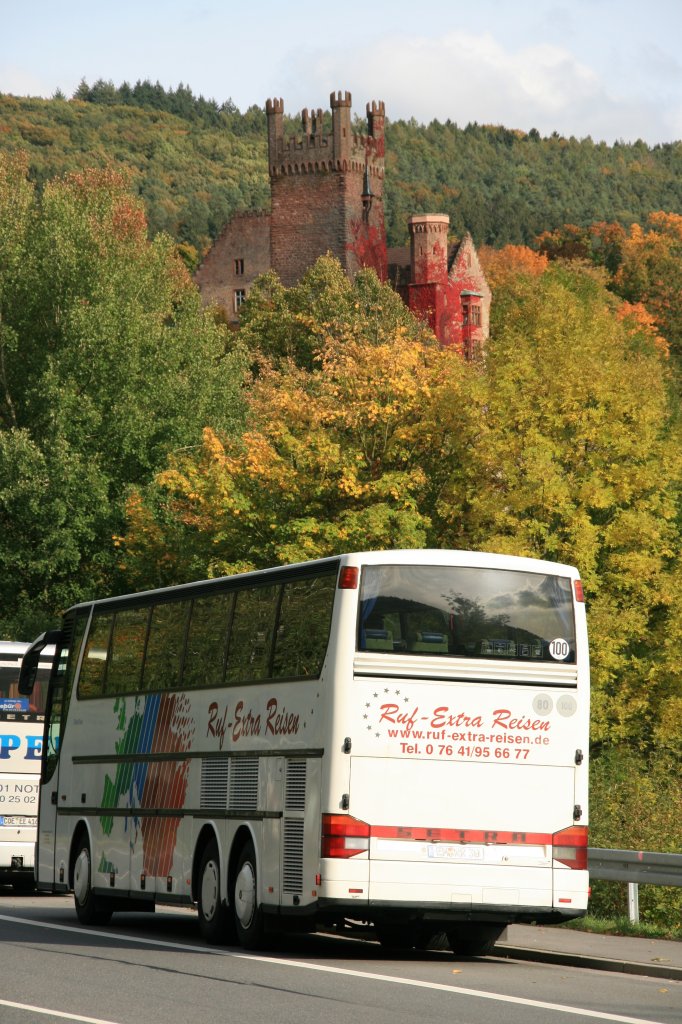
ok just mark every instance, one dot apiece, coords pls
pixel 327 196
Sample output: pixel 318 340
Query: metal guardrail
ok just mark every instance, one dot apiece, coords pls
pixel 636 867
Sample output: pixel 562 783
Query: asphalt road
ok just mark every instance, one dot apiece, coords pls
pixel 154 969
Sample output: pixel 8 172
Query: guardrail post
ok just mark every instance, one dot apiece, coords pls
pixel 633 902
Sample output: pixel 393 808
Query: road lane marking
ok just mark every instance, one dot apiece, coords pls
pixel 433 986
pixel 54 1013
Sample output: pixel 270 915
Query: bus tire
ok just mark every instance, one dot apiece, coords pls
pixel 474 939
pixel 89 909
pixel 214 919
pixel 248 914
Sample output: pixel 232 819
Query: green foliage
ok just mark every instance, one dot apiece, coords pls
pixel 644 264
pixel 107 363
pixel 576 459
pixel 650 271
pixel 54 508
pixel 290 323
pixel 507 187
pixel 193 170
pixel 327 461
pixel 622 925
pixel 636 805
pixel 197 162
pixel 181 101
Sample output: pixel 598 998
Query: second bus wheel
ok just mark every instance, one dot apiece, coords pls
pixel 215 921
pixel 248 914
pixel 89 908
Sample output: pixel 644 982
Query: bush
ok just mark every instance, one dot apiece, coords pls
pixel 636 804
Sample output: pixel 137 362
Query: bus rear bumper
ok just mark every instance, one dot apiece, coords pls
pixel 441 914
pixel 17 856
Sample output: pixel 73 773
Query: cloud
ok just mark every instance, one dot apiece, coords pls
pixel 472 77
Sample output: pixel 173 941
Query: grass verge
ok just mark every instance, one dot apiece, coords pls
pixel 623 926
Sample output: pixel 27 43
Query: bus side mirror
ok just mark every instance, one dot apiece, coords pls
pixel 29 663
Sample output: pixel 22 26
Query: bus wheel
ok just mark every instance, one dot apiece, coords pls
pixel 88 907
pixel 248 915
pixel 474 939
pixel 214 919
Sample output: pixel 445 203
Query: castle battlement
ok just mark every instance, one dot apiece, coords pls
pixel 429 223
pixel 318 152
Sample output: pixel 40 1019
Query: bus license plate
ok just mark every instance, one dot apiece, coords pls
pixel 441 851
pixel 16 819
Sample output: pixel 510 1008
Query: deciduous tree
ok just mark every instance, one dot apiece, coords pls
pixel 107 362
pixel 650 272
pixel 577 461
pixel 332 457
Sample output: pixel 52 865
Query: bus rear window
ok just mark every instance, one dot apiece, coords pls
pixel 450 611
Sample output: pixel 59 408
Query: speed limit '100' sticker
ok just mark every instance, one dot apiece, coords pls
pixel 559 649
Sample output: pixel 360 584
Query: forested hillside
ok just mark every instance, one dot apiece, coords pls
pixel 195 163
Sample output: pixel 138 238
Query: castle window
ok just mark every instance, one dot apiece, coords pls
pixel 239 296
pixel 471 315
pixel 239 267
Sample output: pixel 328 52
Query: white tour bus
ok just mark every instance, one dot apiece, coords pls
pixel 21 738
pixel 393 738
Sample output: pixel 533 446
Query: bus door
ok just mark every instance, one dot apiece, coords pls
pixel 51 864
pixel 49 788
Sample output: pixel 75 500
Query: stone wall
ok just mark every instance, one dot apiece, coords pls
pixel 239 255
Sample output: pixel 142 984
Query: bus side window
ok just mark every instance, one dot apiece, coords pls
pixel 94 666
pixel 205 652
pixel 127 650
pixel 303 627
pixel 251 635
pixel 165 645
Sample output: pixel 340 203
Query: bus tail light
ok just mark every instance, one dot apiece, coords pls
pixel 348 577
pixel 343 836
pixel 569 847
pixel 579 592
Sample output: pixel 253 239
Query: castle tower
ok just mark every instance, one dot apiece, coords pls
pixel 429 248
pixel 327 191
pixel 427 293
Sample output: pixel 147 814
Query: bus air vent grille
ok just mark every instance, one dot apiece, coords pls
pixel 292 857
pixel 214 779
pixel 295 786
pixel 244 784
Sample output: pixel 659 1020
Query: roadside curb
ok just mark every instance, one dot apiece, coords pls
pixel 597 963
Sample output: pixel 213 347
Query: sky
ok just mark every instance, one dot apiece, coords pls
pixel 610 69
